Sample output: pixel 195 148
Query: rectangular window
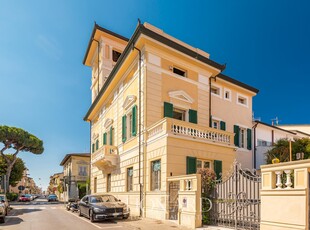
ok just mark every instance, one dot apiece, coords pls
pixel 179 114
pixel 82 170
pixel 215 90
pixel 109 182
pixel 155 175
pixel 227 94
pixel 242 100
pixel 179 72
pixel 95 185
pixel 242 137
pixel 129 122
pixel 202 164
pixel 215 124
pixel 115 55
pixel 130 179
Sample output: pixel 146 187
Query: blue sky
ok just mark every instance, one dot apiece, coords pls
pixel 45 87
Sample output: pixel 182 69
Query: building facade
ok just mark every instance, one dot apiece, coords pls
pixel 160 109
pixel 265 135
pixel 76 168
pixel 56 185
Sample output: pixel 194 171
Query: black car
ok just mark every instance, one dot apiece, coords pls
pixel 101 207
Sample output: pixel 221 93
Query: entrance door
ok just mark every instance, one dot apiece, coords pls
pixel 174 187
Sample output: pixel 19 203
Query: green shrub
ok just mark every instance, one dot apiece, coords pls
pixel 12 196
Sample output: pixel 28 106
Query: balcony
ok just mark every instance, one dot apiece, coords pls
pixel 189 130
pixel 105 158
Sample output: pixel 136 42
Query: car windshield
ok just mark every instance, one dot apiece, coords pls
pixel 95 199
pixel 2 198
pixel 109 198
pixel 27 195
pixel 52 195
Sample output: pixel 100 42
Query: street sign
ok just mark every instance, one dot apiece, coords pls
pixel 21 188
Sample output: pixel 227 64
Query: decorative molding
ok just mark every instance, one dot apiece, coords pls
pixel 108 122
pixel 130 99
pixel 95 136
pixel 181 95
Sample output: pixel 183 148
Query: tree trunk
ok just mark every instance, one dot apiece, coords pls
pixel 8 173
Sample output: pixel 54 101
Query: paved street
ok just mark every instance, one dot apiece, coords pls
pixel 39 215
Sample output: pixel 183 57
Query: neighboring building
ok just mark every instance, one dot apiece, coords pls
pixel 265 135
pixel 304 128
pixel 150 116
pixel 56 185
pixel 76 173
pixel 27 183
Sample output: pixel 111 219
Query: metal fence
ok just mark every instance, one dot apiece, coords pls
pixel 236 200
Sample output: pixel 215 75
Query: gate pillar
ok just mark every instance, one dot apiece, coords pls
pixel 285 202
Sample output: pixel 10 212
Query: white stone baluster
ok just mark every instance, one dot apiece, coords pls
pixel 279 183
pixel 186 187
pixel 288 179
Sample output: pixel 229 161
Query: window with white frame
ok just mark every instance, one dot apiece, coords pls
pixel 242 136
pixel 203 164
pixel 227 94
pixel 130 179
pixel 215 124
pixel 215 90
pixel 155 175
pixel 242 100
pixel 179 114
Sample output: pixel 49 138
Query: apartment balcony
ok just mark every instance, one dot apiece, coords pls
pixel 105 158
pixel 187 130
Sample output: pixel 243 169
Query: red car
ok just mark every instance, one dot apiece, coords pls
pixel 24 198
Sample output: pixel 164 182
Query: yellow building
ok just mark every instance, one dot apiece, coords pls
pixel 56 185
pixel 75 174
pixel 160 109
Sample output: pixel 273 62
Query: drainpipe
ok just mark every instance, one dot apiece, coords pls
pixel 98 47
pixel 139 129
pixel 254 144
pixel 90 124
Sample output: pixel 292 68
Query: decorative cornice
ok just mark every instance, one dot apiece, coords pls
pixel 181 95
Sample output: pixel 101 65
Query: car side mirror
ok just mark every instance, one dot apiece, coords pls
pixel 2 201
pixel 119 200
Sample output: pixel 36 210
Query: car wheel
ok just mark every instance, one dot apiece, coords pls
pixel 125 217
pixel 2 220
pixel 91 216
pixel 79 212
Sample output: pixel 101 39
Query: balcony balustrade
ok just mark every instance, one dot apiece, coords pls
pixel 105 158
pixel 186 129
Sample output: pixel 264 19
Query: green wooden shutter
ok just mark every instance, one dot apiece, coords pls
pixel 97 144
pixel 249 139
pixel 111 136
pixel 105 138
pixel 124 128
pixel 218 169
pixel 134 121
pixel 236 138
pixel 191 165
pixel 168 109
pixel 223 125
pixel 210 121
pixel 93 148
pixel 192 116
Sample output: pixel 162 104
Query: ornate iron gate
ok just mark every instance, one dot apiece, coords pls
pixel 174 187
pixel 236 200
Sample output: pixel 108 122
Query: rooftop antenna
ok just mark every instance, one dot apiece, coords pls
pixel 255 119
pixel 275 120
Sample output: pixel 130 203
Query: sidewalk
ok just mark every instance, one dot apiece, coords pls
pixel 152 224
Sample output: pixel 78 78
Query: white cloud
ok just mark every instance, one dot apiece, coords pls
pixel 49 47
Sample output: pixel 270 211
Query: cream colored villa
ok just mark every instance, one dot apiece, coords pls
pixel 161 109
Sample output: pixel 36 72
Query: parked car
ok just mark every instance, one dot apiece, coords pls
pixel 102 207
pixel 52 197
pixel 24 198
pixel 2 213
pixel 5 202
